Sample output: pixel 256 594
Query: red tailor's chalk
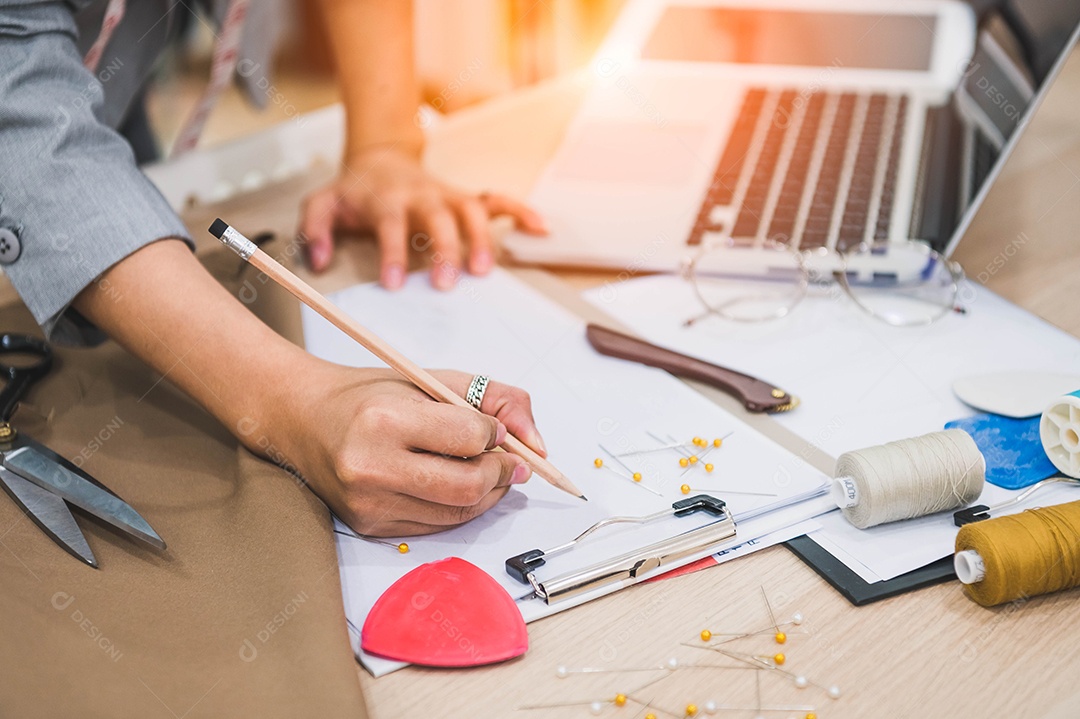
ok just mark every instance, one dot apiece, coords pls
pixel 448 613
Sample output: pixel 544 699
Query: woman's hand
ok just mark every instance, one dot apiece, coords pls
pixel 390 461
pixel 385 191
pixel 386 458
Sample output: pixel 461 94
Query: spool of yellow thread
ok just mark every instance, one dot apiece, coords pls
pixel 1021 555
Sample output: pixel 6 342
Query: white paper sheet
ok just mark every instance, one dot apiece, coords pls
pixel 502 327
pixel 769 540
pixel 890 550
pixel 824 540
pixel 861 383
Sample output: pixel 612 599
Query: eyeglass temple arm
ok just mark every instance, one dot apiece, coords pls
pixel 756 396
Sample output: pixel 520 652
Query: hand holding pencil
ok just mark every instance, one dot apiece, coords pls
pixel 426 381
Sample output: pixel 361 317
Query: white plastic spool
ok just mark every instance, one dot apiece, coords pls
pixel 844 492
pixel 970 567
pixel 1059 430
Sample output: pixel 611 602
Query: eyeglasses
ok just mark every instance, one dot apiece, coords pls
pixel 904 284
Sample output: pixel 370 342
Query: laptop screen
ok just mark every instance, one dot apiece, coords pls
pixel 869 41
pixel 1021 45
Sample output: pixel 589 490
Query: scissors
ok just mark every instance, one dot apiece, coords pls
pixel 42 482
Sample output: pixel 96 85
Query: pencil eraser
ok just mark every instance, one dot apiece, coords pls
pixel 218 228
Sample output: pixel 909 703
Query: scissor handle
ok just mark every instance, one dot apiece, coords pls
pixel 20 378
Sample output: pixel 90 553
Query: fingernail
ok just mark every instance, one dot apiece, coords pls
pixel 500 434
pixel 482 261
pixel 540 444
pixel 320 257
pixel 521 474
pixel 393 276
pixel 537 223
pixel 443 276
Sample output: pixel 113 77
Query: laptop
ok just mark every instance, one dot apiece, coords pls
pixel 808 124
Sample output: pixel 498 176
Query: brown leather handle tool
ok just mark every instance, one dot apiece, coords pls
pixel 756 396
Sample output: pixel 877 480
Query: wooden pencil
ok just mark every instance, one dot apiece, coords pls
pixel 376 345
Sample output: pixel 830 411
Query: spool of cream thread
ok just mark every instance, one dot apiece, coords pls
pixel 1059 431
pixel 1021 555
pixel 909 478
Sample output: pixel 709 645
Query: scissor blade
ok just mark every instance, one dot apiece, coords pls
pixel 50 471
pixel 50 513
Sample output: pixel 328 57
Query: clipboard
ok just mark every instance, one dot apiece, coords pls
pixel 629 567
pixel 857 590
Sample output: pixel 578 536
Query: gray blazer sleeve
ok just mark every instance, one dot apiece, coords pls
pixel 69 187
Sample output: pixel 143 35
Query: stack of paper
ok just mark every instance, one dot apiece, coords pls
pixel 862 383
pixel 502 327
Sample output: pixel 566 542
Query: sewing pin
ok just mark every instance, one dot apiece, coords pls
pixel 633 476
pixel 687 489
pixel 402 548
pixel 801 681
pixel 707 635
pixel 563 672
pixel 746 662
pixel 716 444
pixel 674 444
pixel 560 705
pixel 780 636
pixel 779 708
pixel 664 448
pixel 690 461
pixel 757 688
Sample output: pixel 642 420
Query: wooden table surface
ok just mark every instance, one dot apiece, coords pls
pixel 931 653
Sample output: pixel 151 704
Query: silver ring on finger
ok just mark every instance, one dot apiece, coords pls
pixel 477 388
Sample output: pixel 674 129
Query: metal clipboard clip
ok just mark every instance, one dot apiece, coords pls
pixel 632 565
pixel 979 512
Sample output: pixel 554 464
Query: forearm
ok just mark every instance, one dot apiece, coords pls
pixel 372 45
pixel 381 454
pixel 162 306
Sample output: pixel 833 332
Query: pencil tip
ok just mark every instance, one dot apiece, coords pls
pixel 582 496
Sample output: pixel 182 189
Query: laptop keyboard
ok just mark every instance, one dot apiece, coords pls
pixel 807 169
